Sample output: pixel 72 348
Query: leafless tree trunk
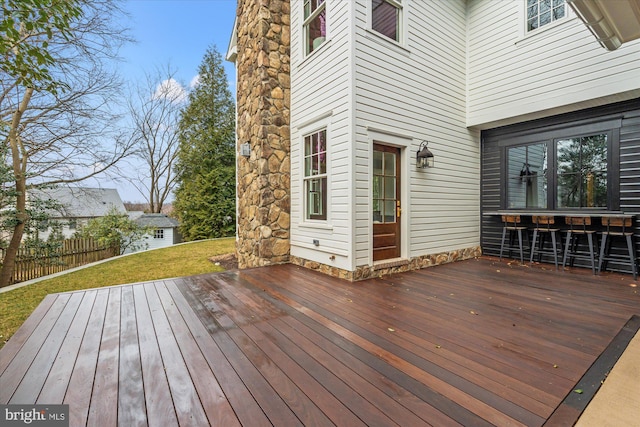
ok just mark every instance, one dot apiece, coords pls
pixel 64 136
pixel 154 107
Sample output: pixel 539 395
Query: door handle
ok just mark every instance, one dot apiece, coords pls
pixel 398 212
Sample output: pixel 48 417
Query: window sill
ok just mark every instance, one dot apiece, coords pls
pixel 316 225
pixel 531 36
pixel 310 57
pixel 396 46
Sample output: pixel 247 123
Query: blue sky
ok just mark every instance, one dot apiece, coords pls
pixel 175 32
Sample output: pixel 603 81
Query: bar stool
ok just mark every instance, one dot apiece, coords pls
pixel 510 224
pixel 615 228
pixel 577 229
pixel 543 226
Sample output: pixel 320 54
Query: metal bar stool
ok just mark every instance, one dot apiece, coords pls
pixel 577 229
pixel 616 228
pixel 543 226
pixel 511 224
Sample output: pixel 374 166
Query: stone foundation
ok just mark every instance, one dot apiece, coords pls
pixel 263 65
pixel 383 269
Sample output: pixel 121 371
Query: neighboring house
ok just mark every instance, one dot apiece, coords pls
pixel 336 99
pixel 164 230
pixel 77 205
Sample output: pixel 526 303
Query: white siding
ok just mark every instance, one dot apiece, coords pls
pixel 160 243
pixel 321 95
pixel 515 77
pixel 411 93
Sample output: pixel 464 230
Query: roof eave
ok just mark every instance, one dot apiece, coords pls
pixel 612 23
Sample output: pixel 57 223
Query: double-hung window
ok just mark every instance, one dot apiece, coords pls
pixel 315 24
pixel 386 17
pixel 570 172
pixel 543 12
pixel 315 175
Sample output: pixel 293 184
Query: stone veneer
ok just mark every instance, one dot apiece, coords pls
pixel 382 269
pixel 263 102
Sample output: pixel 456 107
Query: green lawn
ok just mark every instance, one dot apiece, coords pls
pixel 181 260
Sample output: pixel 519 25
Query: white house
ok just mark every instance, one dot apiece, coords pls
pixel 76 206
pixel 164 230
pixel 343 95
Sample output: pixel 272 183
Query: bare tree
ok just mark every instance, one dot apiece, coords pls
pixel 65 130
pixel 154 107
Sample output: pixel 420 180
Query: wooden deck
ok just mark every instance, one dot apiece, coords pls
pixel 471 343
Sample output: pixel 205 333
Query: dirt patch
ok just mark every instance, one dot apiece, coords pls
pixel 226 261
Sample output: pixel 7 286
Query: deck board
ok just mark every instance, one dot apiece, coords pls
pixel 103 411
pixel 81 382
pixel 18 367
pixel 405 345
pixel 212 399
pixel 24 333
pixel 36 375
pixel 56 384
pixel 239 396
pixel 132 410
pixel 159 404
pixel 478 342
pixel 189 410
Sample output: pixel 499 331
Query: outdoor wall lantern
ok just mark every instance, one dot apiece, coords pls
pixel 424 157
pixel 245 149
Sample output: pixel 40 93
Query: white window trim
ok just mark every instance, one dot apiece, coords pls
pixel 402 32
pixel 317 176
pixel 306 22
pixel 322 122
pixel 524 34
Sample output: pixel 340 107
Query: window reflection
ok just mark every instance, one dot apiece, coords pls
pixel 315 175
pixel 384 187
pixel 582 172
pixel 385 18
pixel 315 24
pixel 579 177
pixel 527 180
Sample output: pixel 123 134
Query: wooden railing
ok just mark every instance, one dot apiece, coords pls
pixel 33 263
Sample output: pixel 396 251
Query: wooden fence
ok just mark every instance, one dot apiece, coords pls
pixel 34 263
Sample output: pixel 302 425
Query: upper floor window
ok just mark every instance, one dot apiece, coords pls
pixel 385 17
pixel 543 12
pixel 315 24
pixel 315 175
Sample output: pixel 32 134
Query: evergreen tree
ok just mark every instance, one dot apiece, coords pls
pixel 205 194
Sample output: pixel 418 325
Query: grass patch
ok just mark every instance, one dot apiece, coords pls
pixel 175 261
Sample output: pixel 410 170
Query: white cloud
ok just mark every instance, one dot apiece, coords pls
pixel 195 81
pixel 172 90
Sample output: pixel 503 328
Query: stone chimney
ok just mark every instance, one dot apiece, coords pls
pixel 263 101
